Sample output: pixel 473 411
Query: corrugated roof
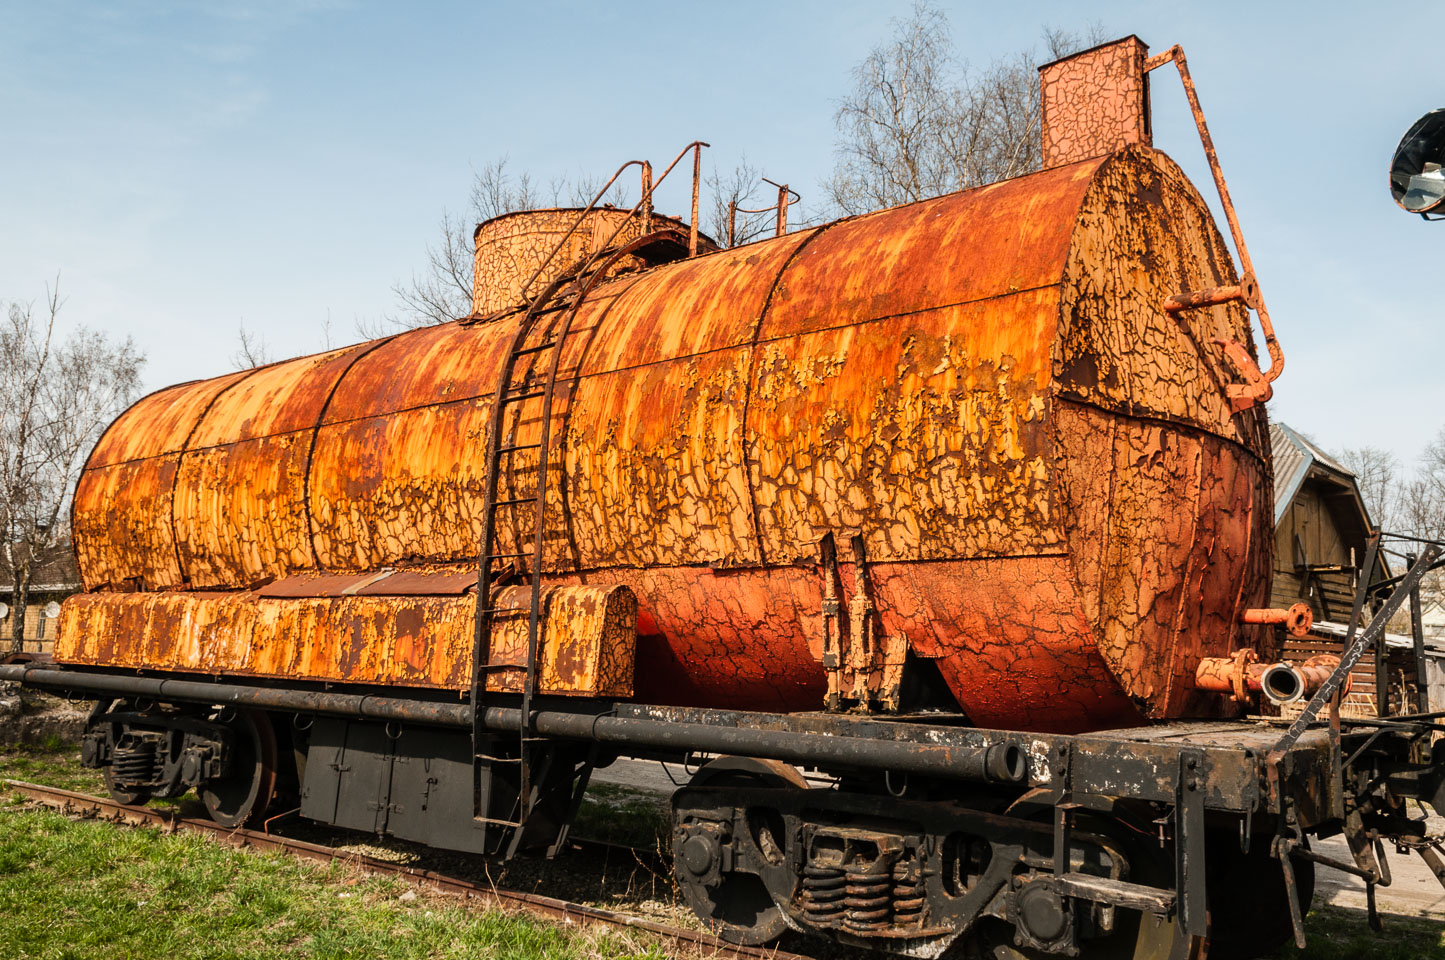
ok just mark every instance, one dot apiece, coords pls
pixel 1399 641
pixel 1293 455
pixel 1320 455
pixel 1292 459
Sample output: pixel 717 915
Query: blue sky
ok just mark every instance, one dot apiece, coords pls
pixel 187 168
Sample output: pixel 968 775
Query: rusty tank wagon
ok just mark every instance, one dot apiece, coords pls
pixel 964 506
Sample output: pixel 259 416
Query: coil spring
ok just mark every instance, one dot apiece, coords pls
pixel 907 896
pixel 824 895
pixel 869 901
pixel 133 761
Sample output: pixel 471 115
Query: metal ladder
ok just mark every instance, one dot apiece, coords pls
pixel 536 340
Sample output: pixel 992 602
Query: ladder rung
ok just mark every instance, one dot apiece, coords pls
pixel 506 610
pixel 537 349
pixel 507 556
pixel 515 501
pixel 503 666
pixel 515 397
pixel 519 446
pixel 497 823
pixel 492 759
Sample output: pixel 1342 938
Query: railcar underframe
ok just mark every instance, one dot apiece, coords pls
pixel 926 833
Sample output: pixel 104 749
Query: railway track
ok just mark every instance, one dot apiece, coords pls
pixel 100 808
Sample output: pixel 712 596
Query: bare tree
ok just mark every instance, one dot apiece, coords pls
pixel 495 191
pixel 251 348
pixel 56 397
pixel 1406 502
pixel 1422 497
pixel 1410 502
pixel 918 123
pixel 442 290
pixel 1377 472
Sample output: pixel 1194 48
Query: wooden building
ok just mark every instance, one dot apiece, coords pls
pixel 1321 527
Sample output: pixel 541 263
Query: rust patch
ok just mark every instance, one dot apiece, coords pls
pixel 587 647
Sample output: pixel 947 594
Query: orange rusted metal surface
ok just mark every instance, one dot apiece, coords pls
pixel 1243 676
pixel 1317 669
pixel 318 632
pixel 1175 55
pixel 1096 102
pixel 1246 292
pixel 1237 675
pixel 1051 495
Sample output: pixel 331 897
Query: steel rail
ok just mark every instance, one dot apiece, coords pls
pixel 101 808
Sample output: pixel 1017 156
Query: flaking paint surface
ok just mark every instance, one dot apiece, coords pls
pixel 1095 102
pixel 120 537
pixel 1163 487
pixel 424 641
pixel 240 511
pixel 170 416
pixel 925 430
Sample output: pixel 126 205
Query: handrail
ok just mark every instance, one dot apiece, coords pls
pixel 644 203
pixel 578 222
pixel 781 206
pixel 1175 54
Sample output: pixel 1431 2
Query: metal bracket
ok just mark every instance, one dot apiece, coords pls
pixel 1189 844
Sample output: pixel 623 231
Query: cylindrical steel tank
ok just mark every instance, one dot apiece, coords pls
pixel 1058 505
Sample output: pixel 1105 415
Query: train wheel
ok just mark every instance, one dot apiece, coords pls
pixel 242 797
pixel 737 907
pixel 1134 936
pixel 1248 902
pixel 117 793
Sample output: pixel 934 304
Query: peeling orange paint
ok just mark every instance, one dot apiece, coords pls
pixel 586 648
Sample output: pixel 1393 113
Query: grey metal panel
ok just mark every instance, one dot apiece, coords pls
pixel 431 791
pixel 1291 459
pixel 323 762
pixel 348 775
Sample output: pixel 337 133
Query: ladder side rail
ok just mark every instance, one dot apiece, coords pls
pixel 482 621
pixel 581 217
pixel 529 679
pixel 646 202
pixel 643 206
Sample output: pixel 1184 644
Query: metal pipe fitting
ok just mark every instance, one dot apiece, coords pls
pixel 1282 683
pixel 1298 619
pixel 1001 762
pixel 1246 291
pixel 1242 676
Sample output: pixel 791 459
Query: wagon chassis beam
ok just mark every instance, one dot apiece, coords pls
pixel 1140 764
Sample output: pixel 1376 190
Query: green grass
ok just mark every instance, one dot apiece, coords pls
pixel 87 889
pixel 616 814
pixel 55 763
pixel 1334 933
